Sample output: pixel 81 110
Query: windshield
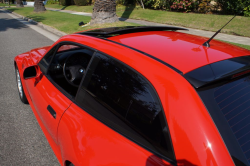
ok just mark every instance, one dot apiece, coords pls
pixel 229 106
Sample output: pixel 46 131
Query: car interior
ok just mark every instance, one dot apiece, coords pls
pixel 68 67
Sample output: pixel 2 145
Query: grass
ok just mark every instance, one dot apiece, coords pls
pixel 65 22
pixel 87 9
pixel 6 5
pixel 68 23
pixel 237 44
pixel 239 26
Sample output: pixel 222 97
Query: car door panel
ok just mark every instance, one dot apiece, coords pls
pixel 47 99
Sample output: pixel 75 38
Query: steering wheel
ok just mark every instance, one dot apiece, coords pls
pixel 73 71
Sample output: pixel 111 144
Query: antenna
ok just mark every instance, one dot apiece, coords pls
pixel 206 44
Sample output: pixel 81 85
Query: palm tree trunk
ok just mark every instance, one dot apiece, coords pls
pixel 39 6
pixel 104 11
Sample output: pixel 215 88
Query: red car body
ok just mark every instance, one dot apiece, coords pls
pixel 79 138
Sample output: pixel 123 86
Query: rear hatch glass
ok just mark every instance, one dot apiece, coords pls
pixel 229 106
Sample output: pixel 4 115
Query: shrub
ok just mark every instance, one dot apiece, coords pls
pixel 65 2
pixel 183 5
pixel 247 11
pixel 125 2
pixel 81 2
pixel 158 4
pixel 234 6
pixel 52 2
pixel 204 6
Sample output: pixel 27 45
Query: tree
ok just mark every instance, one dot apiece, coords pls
pixel 141 3
pixel 19 3
pixel 104 11
pixel 39 6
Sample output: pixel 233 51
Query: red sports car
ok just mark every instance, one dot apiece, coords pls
pixel 140 96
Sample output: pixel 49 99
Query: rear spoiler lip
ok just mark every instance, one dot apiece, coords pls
pixel 224 70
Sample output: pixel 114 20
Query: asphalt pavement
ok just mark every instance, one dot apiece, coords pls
pixel 22 141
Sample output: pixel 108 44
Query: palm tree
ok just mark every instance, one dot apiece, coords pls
pixel 39 6
pixel 104 11
pixel 19 3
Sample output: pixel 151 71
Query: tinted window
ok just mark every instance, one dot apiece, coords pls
pixel 229 105
pixel 68 67
pixel 44 63
pixel 130 98
pixel 234 102
pixel 67 47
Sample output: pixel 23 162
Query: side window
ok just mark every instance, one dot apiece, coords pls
pixel 44 63
pixel 130 98
pixel 67 47
pixel 68 66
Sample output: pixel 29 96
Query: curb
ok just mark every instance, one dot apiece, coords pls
pixel 41 25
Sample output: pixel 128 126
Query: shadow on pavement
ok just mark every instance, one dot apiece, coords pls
pixel 6 24
pixel 14 24
pixel 13 9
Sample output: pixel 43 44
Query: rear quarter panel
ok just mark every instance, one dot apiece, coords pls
pixel 86 141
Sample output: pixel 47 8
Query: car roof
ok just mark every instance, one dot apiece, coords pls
pixel 182 51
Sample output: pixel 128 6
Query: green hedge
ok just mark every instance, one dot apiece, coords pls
pixel 235 6
pixel 82 2
pixel 239 7
pixel 65 2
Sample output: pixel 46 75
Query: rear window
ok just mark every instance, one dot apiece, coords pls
pixel 229 106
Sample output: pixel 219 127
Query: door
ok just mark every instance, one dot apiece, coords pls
pixel 49 103
pixel 62 68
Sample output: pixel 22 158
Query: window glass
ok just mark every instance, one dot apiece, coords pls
pixel 229 106
pixel 128 96
pixel 68 66
pixel 233 99
pixel 44 63
pixel 67 47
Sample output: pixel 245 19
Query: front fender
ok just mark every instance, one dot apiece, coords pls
pixel 27 59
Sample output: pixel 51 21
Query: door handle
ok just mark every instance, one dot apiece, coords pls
pixel 51 111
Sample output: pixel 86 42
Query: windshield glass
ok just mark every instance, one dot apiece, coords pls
pixel 229 106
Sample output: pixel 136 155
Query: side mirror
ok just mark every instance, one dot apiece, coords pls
pixel 31 72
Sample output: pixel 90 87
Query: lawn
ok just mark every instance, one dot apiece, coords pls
pixel 62 21
pixel 240 45
pixel 68 24
pixel 87 9
pixel 239 26
pixel 6 5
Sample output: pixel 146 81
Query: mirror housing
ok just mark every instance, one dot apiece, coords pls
pixel 31 72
